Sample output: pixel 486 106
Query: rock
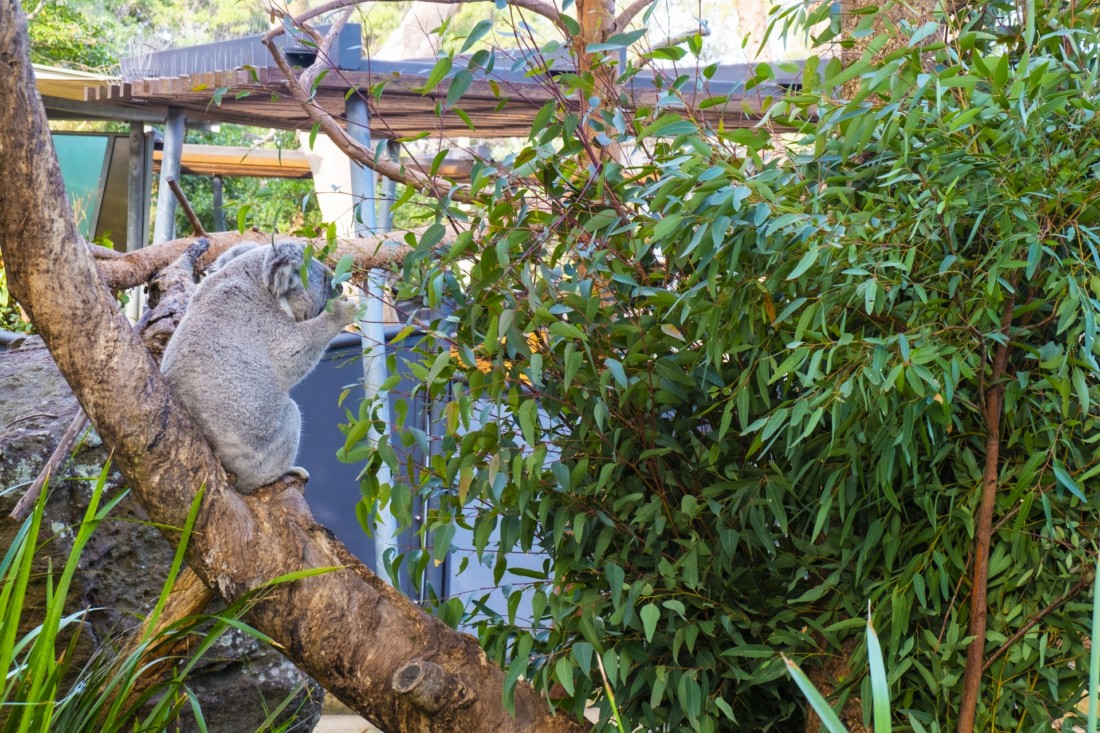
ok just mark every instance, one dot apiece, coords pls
pixel 240 680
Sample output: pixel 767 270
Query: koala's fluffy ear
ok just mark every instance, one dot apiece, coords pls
pixel 282 269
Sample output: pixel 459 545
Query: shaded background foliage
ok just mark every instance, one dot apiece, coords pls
pixel 738 385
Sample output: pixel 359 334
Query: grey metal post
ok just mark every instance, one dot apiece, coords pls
pixel 362 178
pixel 389 191
pixel 174 131
pixel 138 187
pixel 371 327
pixel 137 191
pixel 219 206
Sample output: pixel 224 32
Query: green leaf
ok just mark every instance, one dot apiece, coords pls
pixel 880 687
pixel 667 225
pixel 563 669
pixel 649 614
pixel 919 35
pixel 439 71
pixel 1066 480
pixel 242 217
pixel 582 652
pixel 459 84
pixel 476 34
pixel 465 119
pixel 441 543
pixel 617 371
pixel 442 360
pixel 617 41
pixel 805 263
pixel 668 125
pixel 528 419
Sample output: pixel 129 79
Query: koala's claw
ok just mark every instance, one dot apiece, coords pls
pixel 299 472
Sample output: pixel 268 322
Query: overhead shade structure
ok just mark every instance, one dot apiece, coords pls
pixel 237 82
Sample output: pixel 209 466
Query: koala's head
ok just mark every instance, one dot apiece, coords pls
pixel 282 276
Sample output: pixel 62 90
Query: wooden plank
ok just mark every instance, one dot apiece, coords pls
pixel 239 161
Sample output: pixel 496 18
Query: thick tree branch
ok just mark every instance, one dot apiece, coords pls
pixel 121 271
pixel 702 31
pixel 347 628
pixel 628 13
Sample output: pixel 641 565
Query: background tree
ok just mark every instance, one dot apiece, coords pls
pixel 743 385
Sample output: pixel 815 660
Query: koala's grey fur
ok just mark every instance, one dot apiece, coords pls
pixel 250 333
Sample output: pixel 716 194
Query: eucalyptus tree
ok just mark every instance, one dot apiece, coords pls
pixel 741 384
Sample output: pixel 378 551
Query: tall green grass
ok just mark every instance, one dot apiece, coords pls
pixel 46 689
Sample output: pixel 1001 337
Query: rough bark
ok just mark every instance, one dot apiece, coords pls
pixel 353 632
pixel 121 271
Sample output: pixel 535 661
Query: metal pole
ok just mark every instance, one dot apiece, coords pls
pixel 140 176
pixel 174 131
pixel 137 191
pixel 389 191
pixel 362 178
pixel 219 206
pixel 370 327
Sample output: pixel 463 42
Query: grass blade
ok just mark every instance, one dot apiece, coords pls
pixel 880 686
pixel 817 702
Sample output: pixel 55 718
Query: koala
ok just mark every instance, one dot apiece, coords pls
pixel 250 333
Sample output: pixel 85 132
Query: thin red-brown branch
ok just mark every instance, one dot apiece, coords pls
pixel 60 453
pixel 1080 585
pixel 983 527
pixel 299 89
pixel 189 212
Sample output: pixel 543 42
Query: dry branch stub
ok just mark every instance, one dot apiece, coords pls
pixel 430 688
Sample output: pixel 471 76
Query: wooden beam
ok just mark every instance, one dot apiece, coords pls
pixel 217 160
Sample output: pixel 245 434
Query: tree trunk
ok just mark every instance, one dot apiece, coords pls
pixel 361 639
pixel 596 19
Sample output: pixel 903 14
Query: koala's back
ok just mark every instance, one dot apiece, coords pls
pixel 219 344
pixel 250 333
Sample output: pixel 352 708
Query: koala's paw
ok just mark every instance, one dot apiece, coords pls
pixel 344 310
pixel 297 472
